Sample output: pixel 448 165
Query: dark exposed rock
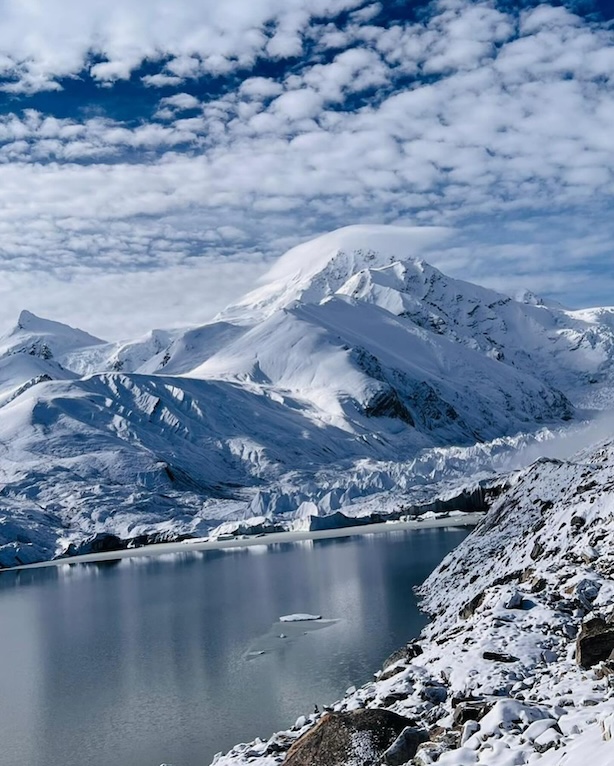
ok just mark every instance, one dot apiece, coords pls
pixel 394 696
pixel 499 657
pixel 278 743
pixel 336 520
pixel 99 543
pixel 537 550
pixel 390 671
pixel 595 642
pixel 405 653
pixel 470 710
pixel 388 404
pixel 538 584
pixel 577 522
pixel 467 611
pixel 360 737
pixel 103 542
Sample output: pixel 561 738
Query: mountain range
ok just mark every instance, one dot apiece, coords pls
pixel 354 377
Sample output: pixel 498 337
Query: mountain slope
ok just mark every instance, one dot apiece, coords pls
pixel 356 372
pixel 352 360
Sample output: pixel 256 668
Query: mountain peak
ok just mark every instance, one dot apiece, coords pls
pixel 363 246
pixel 46 338
pixel 27 320
pixel 316 269
pixel 32 323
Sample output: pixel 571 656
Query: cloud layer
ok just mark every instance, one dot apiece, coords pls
pixel 325 113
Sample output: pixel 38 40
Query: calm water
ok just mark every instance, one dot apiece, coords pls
pixel 143 661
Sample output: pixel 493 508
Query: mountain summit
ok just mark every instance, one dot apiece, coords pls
pixel 44 338
pixel 357 377
pixel 317 269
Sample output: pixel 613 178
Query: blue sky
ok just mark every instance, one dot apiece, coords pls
pixel 155 157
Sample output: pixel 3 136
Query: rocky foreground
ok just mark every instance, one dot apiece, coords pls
pixel 517 664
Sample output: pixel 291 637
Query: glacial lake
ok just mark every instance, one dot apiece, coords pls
pixel 155 660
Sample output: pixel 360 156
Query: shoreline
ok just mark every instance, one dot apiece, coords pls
pixel 186 546
pixel 516 662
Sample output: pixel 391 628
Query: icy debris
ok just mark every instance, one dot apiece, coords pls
pixel 299 617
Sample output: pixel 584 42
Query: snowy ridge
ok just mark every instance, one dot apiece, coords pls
pixel 358 378
pixel 495 677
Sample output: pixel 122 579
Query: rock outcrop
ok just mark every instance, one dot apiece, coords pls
pixel 359 737
pixel 595 642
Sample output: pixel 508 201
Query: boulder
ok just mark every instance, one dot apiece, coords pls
pixel 513 600
pixel 595 642
pixel 405 746
pixel 434 693
pixel 360 737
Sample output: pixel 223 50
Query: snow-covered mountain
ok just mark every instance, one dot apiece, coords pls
pixel 354 375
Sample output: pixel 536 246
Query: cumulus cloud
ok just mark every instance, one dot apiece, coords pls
pixel 180 102
pixel 493 122
pixel 42 42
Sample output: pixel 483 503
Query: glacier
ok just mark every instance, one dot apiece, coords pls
pixel 355 378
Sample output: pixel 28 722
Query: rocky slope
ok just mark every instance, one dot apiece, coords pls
pixel 356 377
pixel 517 664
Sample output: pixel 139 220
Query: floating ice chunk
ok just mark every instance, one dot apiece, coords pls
pixel 300 617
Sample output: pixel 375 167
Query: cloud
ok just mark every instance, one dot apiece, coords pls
pixel 495 123
pixel 41 42
pixel 118 305
pixel 180 102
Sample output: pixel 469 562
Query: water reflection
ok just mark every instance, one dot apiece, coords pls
pixel 143 661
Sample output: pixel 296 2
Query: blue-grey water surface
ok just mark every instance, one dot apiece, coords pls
pixel 143 661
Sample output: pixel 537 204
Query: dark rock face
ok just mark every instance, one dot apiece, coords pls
pixel 537 550
pixel 434 693
pixel 336 520
pixel 595 642
pixel 101 542
pixel 360 737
